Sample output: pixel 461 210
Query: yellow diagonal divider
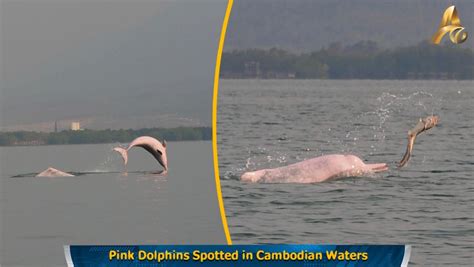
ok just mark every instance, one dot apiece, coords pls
pixel 214 121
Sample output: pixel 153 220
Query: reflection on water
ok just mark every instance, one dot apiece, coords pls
pixel 267 124
pixel 102 204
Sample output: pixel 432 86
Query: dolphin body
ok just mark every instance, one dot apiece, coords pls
pixel 150 144
pixel 422 126
pixel 316 170
pixel 52 172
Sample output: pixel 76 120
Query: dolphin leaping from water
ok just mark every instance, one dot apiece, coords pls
pixel 316 170
pixel 150 144
pixel 422 126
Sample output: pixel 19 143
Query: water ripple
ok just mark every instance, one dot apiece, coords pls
pixel 262 124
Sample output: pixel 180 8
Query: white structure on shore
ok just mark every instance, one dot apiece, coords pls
pixel 75 126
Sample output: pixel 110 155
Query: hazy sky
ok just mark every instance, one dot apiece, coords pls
pixel 308 25
pixel 113 59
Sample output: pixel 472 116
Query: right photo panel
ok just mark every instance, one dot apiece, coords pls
pixel 349 122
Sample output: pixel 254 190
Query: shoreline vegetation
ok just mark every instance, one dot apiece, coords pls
pixel 86 136
pixel 363 60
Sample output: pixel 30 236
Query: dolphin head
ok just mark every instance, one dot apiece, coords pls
pixel 164 158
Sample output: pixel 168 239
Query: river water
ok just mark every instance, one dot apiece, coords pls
pixel 102 205
pixel 428 204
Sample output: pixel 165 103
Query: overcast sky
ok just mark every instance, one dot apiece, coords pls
pixel 308 25
pixel 72 59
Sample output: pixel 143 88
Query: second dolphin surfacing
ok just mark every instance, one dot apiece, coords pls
pixel 52 172
pixel 316 170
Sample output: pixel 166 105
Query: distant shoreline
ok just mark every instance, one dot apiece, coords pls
pixel 363 60
pixel 328 79
pixel 108 136
pixel 111 143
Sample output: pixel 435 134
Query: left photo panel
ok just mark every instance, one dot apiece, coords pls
pixel 106 125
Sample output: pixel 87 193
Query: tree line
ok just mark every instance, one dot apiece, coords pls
pixel 102 136
pixel 363 60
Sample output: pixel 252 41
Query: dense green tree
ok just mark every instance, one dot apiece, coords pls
pixel 103 136
pixel 362 60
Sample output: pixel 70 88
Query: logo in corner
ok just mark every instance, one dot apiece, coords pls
pixel 450 23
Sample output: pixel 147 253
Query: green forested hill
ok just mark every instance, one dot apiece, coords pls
pixel 103 136
pixel 362 60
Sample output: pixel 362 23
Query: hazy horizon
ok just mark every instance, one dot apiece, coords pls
pixel 309 25
pixel 108 64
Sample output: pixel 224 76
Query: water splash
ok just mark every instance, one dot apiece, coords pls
pixel 109 164
pixel 368 131
pixel 387 107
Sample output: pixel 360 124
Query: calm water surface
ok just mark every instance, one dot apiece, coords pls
pixel 428 204
pixel 104 206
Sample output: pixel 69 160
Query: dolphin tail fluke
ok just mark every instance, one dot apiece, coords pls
pixel 124 153
pixel 406 157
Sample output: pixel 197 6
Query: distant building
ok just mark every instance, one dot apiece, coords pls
pixel 252 69
pixel 75 126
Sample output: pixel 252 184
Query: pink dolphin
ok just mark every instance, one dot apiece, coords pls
pixel 422 126
pixel 150 144
pixel 315 170
pixel 52 172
